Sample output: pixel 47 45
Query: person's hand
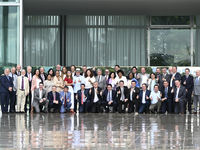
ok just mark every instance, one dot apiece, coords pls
pixel 10 89
pixel 173 77
pixel 137 97
pixel 76 96
pixel 90 91
pixel 158 98
pixel 84 96
pixel 109 103
pixel 62 98
pixel 93 69
pixel 75 82
pixel 56 102
pixel 67 100
pixel 163 79
pixel 79 80
pixel 96 91
pixel 89 80
pixel 163 99
pixel 117 83
pixel 172 91
pixel 147 79
pixel 177 100
pixel 184 82
pixel 160 94
pixel 147 97
pixel 118 92
pixel 151 98
pixel 101 93
pixel 27 93
pixel 41 100
pixel 125 99
pixel 186 90
pixel 138 76
pixel 132 89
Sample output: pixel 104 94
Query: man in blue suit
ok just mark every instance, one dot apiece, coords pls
pixel 65 97
pixel 82 96
pixel 187 82
pixel 54 100
pixel 144 99
pixel 174 76
pixel 109 99
pixel 5 90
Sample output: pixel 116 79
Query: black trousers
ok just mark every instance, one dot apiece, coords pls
pixel 188 100
pixel 131 106
pixel 12 101
pixel 96 107
pixel 120 106
pixel 114 104
pixel 75 102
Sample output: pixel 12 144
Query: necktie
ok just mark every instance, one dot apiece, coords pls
pixel 54 97
pixel 22 83
pixel 18 73
pixel 98 79
pixel 29 77
pixel 131 95
pixel 65 101
pixel 166 92
pixel 196 80
pixel 12 78
pixel 43 77
pixel 82 95
pixel 8 78
pixel 106 78
pixel 109 96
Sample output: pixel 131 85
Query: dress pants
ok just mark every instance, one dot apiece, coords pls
pixel 84 107
pixel 5 101
pixel 155 106
pixel 21 99
pixel 96 107
pixel 179 107
pixel 38 108
pixel 131 107
pixel 12 101
pixel 166 106
pixel 75 102
pixel 68 105
pixel 196 99
pixel 144 107
pixel 56 106
pixel 188 101
pixel 120 106
pixel 113 104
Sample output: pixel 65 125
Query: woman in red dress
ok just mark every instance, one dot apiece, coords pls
pixel 69 82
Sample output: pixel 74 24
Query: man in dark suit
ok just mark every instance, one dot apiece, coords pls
pixel 187 82
pixel 162 78
pixel 144 99
pixel 109 99
pixel 5 90
pixel 174 76
pixel 18 70
pixel 54 100
pixel 83 98
pixel 167 98
pixel 43 75
pixel 135 74
pixel 179 98
pixel 132 99
pixel 96 98
pixel 122 96
pixel 29 75
pixel 40 99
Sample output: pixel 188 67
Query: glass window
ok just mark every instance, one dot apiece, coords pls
pixel 9 35
pixel 170 20
pixel 170 47
pixel 9 1
pixel 41 20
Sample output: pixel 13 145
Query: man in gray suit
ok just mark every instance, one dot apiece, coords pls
pixel 196 92
pixel 40 99
pixel 101 79
pixel 162 78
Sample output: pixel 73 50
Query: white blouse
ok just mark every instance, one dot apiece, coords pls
pixel 123 78
pixel 88 85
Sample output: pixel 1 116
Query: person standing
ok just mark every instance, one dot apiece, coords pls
pixel 162 78
pixel 14 89
pixel 43 75
pixel 175 76
pixel 29 75
pixel 58 82
pixel 101 80
pixel 143 77
pixel 120 77
pixel 48 84
pixel 22 91
pixel 18 70
pixel 196 92
pixel 187 82
pixel 5 90
pixel 58 67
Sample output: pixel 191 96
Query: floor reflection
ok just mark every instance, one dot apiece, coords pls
pixel 99 131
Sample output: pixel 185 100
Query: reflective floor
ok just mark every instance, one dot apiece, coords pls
pixel 99 131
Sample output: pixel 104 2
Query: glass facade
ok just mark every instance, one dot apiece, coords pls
pixel 9 35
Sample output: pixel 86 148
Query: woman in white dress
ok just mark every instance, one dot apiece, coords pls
pixel 64 73
pixel 69 82
pixel 89 79
pixel 35 84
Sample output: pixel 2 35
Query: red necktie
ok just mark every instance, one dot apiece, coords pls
pixel 29 77
pixel 82 98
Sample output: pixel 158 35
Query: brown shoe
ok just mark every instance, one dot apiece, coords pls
pixel 195 113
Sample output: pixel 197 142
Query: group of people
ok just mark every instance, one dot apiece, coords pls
pixel 61 90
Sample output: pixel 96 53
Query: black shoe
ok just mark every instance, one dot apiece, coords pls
pixel 55 111
pixel 12 111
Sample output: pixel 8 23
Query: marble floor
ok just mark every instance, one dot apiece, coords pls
pixel 99 131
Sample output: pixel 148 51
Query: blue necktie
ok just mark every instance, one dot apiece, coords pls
pixel 196 80
pixel 8 78
pixel 166 92
pixel 109 96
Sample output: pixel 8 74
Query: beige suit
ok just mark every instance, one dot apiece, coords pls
pixel 21 94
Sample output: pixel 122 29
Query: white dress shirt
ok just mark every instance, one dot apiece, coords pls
pixel 177 92
pixel 40 94
pixel 95 96
pixel 143 97
pixel 172 79
pixel 144 79
pixel 88 85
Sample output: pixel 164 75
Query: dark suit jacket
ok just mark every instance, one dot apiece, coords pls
pixel 45 76
pixel 105 94
pixel 134 95
pixel 50 98
pixel 79 92
pixel 189 83
pixel 147 94
pixel 5 84
pixel 126 93
pixel 177 77
pixel 28 80
pixel 169 94
pixel 160 81
pixel 98 94
pixel 17 74
pixel 181 93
